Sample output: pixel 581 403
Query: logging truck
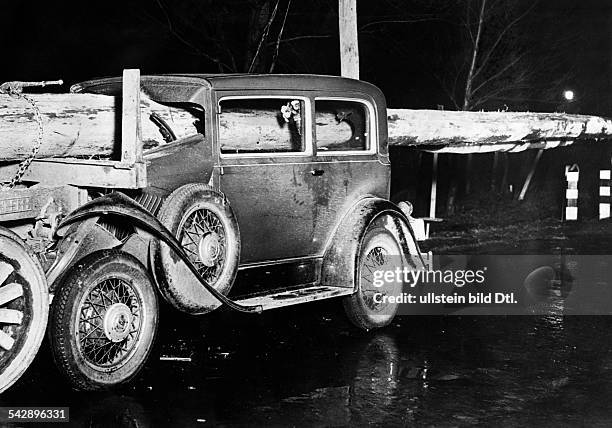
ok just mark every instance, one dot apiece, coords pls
pixel 258 192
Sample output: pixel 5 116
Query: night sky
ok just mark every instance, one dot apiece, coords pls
pixel 569 41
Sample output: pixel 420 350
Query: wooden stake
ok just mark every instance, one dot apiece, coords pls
pixel 434 186
pixel 434 190
pixel 468 170
pixel 494 171
pixel 349 46
pixel 530 175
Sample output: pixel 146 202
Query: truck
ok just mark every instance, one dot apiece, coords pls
pixel 280 197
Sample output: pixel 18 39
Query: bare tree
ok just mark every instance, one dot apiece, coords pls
pixel 234 35
pixel 492 59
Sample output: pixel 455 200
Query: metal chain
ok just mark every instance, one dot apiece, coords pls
pixel 25 164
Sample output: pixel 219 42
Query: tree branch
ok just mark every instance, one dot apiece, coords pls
pixel 398 21
pixel 278 39
pixel 264 36
pixel 470 76
pixel 499 73
pixel 306 37
pixel 501 36
pixel 186 42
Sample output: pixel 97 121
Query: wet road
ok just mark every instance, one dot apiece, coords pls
pixel 306 366
pixel 310 368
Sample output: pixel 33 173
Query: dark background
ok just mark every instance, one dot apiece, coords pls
pixel 406 47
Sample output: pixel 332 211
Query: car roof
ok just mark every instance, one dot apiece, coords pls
pixel 301 82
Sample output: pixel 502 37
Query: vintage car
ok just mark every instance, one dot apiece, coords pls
pixel 280 197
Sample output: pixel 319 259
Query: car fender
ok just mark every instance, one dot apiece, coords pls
pixel 340 261
pixel 120 205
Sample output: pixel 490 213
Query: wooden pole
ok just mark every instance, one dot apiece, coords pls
pixel 434 190
pixel 494 171
pixel 434 186
pixel 131 147
pixel 468 170
pixel 530 175
pixel 349 46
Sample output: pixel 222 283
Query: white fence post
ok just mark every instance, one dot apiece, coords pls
pixel 604 193
pixel 571 194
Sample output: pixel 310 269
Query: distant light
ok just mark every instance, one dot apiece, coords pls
pixel 568 95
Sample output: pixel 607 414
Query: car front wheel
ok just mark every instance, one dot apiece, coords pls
pixel 369 307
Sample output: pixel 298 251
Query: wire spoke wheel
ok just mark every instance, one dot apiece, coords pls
pixel 378 254
pixel 203 237
pixel 377 259
pixel 204 224
pixel 23 308
pixel 109 323
pixel 103 320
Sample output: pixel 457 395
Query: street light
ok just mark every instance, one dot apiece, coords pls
pixel 568 95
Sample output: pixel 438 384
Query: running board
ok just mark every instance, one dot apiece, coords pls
pixel 295 297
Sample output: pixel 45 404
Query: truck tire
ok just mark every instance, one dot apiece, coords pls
pixel 24 308
pixel 205 225
pixel 379 250
pixel 103 320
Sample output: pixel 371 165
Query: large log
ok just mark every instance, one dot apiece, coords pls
pixel 260 130
pixel 248 130
pixel 85 125
pixel 264 130
pixel 472 132
pixel 78 125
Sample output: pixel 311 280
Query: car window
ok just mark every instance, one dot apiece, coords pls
pixel 341 125
pixel 261 125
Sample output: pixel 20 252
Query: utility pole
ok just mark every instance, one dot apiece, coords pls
pixel 349 46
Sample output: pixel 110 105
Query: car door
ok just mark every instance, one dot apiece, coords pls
pixel 265 145
pixel 347 161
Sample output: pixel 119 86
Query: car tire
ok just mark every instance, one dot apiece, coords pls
pixel 378 250
pixel 104 320
pixel 205 225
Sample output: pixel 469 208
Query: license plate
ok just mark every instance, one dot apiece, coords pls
pixel 15 205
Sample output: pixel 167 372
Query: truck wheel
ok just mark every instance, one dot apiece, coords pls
pixel 205 225
pixel 379 251
pixel 103 320
pixel 24 308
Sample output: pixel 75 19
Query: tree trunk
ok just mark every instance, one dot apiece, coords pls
pixel 78 125
pixel 481 132
pixel 467 98
pixel 258 22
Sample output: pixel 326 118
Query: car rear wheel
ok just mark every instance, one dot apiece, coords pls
pixel 24 307
pixel 204 224
pixel 369 307
pixel 103 320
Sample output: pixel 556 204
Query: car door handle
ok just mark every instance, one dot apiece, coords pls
pixel 317 172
